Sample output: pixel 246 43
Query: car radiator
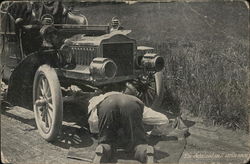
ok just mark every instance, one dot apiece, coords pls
pixel 83 55
pixel 122 55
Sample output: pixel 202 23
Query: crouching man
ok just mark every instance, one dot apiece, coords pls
pixel 113 111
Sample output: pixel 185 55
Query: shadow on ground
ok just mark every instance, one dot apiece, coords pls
pixel 27 121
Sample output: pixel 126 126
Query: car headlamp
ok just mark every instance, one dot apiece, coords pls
pixel 152 62
pixel 103 68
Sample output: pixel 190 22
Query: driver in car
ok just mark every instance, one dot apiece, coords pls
pixel 33 11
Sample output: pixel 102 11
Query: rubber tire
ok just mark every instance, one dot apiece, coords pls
pixel 57 100
pixel 160 89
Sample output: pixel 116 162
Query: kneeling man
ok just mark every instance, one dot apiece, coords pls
pixel 113 111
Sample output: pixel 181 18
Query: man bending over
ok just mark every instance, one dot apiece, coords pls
pixel 115 111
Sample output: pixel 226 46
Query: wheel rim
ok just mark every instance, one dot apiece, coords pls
pixel 147 91
pixel 43 104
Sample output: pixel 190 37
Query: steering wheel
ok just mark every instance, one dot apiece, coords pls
pixel 47 19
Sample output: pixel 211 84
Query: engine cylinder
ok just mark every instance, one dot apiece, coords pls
pixel 103 68
pixel 152 62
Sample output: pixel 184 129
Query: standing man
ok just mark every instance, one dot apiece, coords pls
pixel 113 111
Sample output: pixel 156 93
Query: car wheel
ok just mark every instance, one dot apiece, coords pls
pixel 47 102
pixel 152 91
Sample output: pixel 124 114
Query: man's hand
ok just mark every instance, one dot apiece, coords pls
pixel 19 22
pixel 74 88
pixel 74 93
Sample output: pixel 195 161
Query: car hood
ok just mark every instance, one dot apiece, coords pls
pixel 81 39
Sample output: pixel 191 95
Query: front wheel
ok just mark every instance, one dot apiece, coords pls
pixel 151 90
pixel 47 102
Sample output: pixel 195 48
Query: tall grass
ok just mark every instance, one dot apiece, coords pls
pixel 208 80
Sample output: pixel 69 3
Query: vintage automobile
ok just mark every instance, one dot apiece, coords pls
pixel 42 59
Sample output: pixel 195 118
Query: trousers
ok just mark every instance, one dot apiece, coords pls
pixel 124 112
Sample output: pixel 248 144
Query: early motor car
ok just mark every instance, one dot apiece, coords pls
pixel 41 56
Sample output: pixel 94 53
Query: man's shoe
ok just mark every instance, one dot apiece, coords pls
pixel 144 153
pixel 150 154
pixel 102 153
pixel 99 153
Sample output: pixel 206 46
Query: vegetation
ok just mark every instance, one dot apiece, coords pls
pixel 207 80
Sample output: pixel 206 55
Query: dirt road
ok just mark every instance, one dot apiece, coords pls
pixel 21 142
pixel 207 144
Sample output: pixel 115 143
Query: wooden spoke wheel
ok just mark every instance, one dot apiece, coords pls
pixel 151 91
pixel 47 102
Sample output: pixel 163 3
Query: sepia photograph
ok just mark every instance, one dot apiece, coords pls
pixel 125 81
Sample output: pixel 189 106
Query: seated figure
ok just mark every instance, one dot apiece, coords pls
pixel 33 12
pixel 20 10
pixel 60 13
pixel 115 24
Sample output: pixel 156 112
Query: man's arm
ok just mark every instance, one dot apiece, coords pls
pixel 151 117
pixel 158 120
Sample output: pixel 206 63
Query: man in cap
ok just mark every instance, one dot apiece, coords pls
pixel 50 37
pixel 54 8
pixel 115 24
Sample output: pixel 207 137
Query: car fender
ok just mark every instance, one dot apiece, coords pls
pixel 21 80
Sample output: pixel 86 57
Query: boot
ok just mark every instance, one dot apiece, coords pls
pixel 150 154
pixel 102 153
pixel 144 153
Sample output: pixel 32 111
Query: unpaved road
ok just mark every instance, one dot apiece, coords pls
pixel 215 145
pixel 20 142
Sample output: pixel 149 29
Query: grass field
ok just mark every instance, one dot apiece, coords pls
pixel 206 50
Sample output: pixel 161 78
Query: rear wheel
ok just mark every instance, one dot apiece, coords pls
pixel 47 102
pixel 151 90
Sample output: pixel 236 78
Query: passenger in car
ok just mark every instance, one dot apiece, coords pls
pixel 54 8
pixel 21 11
pixel 115 24
pixel 33 11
